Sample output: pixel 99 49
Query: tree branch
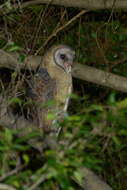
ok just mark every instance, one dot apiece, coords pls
pixel 87 4
pixel 6 187
pixel 92 181
pixel 80 71
pixel 100 77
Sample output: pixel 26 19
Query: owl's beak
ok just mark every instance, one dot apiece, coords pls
pixel 68 66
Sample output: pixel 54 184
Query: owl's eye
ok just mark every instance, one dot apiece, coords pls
pixel 63 56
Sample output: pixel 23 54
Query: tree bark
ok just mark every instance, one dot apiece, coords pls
pixel 100 77
pixel 92 181
pixel 6 187
pixel 87 4
pixel 80 71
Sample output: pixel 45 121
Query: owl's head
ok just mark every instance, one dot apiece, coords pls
pixel 63 57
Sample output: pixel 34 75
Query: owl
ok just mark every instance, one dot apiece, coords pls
pixel 51 87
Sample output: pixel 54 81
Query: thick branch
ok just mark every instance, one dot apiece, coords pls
pixel 6 187
pixel 100 77
pixel 92 181
pixel 87 4
pixel 80 71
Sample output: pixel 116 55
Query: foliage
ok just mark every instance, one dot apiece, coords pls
pixel 95 137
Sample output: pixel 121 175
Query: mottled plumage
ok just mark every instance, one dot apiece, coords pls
pixel 53 81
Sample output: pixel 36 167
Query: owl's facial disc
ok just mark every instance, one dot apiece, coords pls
pixel 64 58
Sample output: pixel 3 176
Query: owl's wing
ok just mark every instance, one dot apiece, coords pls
pixel 41 89
pixel 41 86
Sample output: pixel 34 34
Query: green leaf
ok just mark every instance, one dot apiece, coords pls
pixel 26 158
pixel 13 47
pixel 78 175
pixel 96 107
pixel 51 116
pixel 112 98
pixel 15 100
pixel 116 140
pixel 122 104
pixel 74 118
pixel 8 135
pixel 21 58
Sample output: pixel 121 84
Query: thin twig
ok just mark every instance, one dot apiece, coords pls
pixel 42 178
pixel 60 29
pixel 38 27
pixel 12 172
